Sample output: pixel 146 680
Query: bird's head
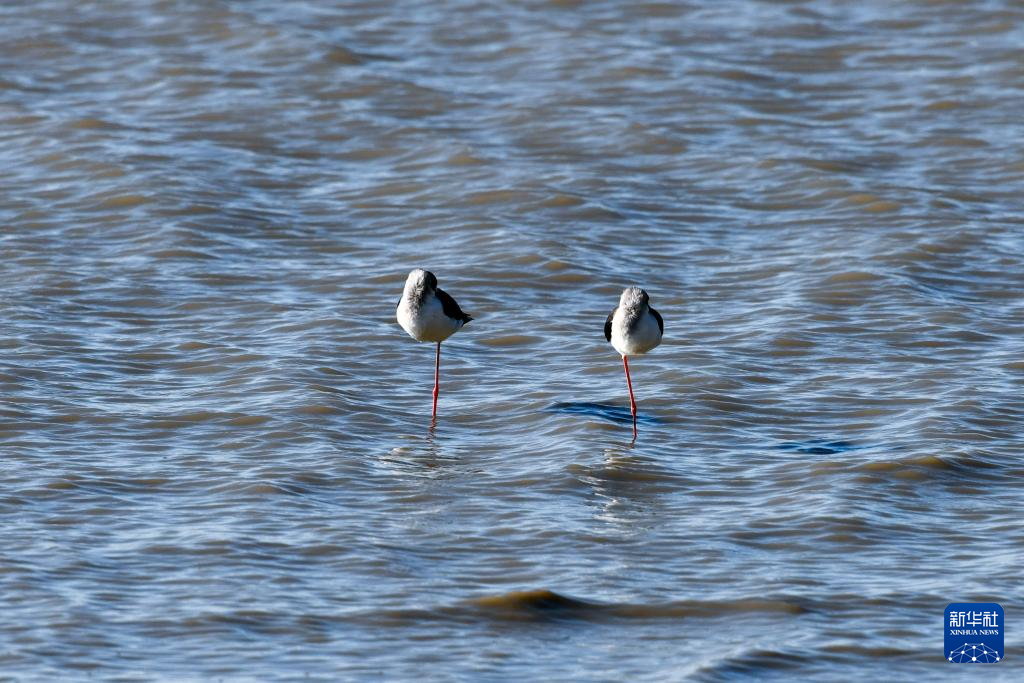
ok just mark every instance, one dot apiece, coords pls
pixel 633 297
pixel 420 279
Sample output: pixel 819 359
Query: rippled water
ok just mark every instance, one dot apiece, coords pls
pixel 217 461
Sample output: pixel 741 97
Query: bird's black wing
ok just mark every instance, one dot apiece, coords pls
pixel 608 324
pixel 450 308
pixel 657 316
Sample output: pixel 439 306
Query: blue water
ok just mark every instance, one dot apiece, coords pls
pixel 218 457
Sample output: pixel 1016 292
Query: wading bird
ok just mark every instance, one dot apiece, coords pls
pixel 429 314
pixel 633 328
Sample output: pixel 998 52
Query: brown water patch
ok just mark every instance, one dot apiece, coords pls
pixel 541 603
pixel 512 340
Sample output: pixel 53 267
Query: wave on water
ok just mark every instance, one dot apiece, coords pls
pixel 544 604
pixel 602 411
pixel 818 446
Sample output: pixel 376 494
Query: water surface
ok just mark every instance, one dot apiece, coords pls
pixel 217 460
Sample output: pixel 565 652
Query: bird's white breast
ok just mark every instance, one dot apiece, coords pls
pixel 643 336
pixel 426 322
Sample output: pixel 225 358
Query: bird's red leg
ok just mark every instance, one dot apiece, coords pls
pixel 437 378
pixel 632 401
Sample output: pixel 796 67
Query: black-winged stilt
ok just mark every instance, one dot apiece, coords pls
pixel 633 328
pixel 429 314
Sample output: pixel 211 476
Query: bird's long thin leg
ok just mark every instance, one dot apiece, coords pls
pixel 437 378
pixel 632 401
